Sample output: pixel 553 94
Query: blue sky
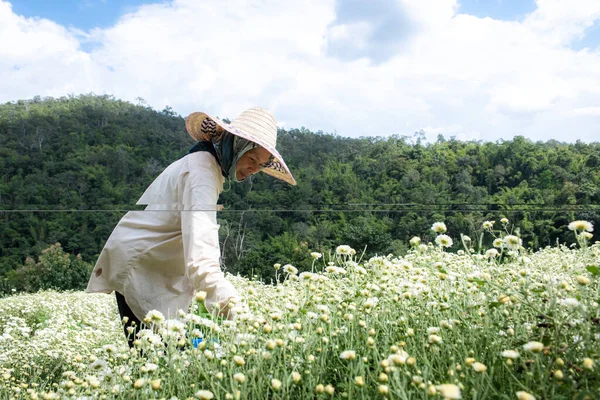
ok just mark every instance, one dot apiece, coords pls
pixel 88 14
pixel 507 10
pixel 81 14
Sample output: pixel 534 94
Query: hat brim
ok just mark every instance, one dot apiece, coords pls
pixel 276 168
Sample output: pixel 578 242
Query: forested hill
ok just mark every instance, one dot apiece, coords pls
pixel 92 153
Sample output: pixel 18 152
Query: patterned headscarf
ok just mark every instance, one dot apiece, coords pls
pixel 227 149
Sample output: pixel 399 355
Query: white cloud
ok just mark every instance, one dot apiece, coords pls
pixel 454 74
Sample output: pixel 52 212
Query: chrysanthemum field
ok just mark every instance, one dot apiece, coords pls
pixel 498 323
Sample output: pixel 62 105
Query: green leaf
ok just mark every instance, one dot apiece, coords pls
pixel 480 282
pixel 546 340
pixel 494 304
pixel 593 269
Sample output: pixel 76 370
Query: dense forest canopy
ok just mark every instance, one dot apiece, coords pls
pixel 93 156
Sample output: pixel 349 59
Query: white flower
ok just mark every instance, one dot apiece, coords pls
pixel 581 226
pixel 239 360
pixel 371 302
pixel 586 235
pixel 360 270
pixel 155 316
pixel 151 367
pixel 488 225
pixel 345 250
pixel 570 302
pixel 479 367
pixel 204 394
pixel 512 354
pixel 498 243
pixel 524 396
pixel 504 221
pixel 439 227
pixel 201 295
pixel 534 346
pixel 335 270
pixel 415 241
pixel 449 391
pixel 316 255
pixel 348 355
pixel 435 339
pixel 275 384
pixel 512 242
pixel 491 253
pixel 109 348
pixel 443 241
pixel 290 269
pixel 98 364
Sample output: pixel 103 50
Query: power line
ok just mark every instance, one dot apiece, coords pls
pixel 390 210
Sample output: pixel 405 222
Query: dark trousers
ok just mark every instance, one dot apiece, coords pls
pixel 125 311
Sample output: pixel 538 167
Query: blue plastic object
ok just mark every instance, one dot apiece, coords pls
pixel 197 341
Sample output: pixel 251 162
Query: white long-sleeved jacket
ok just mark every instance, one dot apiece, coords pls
pixel 159 257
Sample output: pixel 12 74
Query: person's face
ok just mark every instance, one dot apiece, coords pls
pixel 251 162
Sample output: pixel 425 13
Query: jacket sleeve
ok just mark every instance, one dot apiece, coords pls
pixel 200 234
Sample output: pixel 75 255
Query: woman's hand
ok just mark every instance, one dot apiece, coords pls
pixel 231 308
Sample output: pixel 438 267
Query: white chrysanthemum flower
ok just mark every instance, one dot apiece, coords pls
pixel 512 242
pixel 290 269
pixel 415 241
pixel 109 348
pixel 435 339
pixel 439 227
pixel 488 225
pixel 345 250
pixel 524 396
pixel 504 221
pixel 449 391
pixel 443 241
pixel 239 360
pixel 239 377
pixel 371 302
pixel 581 226
pixel 336 270
pixel 534 346
pixel 201 295
pixel 204 394
pixel 512 354
pixel 275 384
pixel 151 367
pixel 491 253
pixel 570 302
pixel 98 364
pixel 479 367
pixel 348 355
pixel 155 316
pixel 498 243
pixel 146 335
pixel 316 255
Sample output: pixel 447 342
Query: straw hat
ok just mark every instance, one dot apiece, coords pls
pixel 254 124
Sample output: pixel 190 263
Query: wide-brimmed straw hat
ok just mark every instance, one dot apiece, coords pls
pixel 254 124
